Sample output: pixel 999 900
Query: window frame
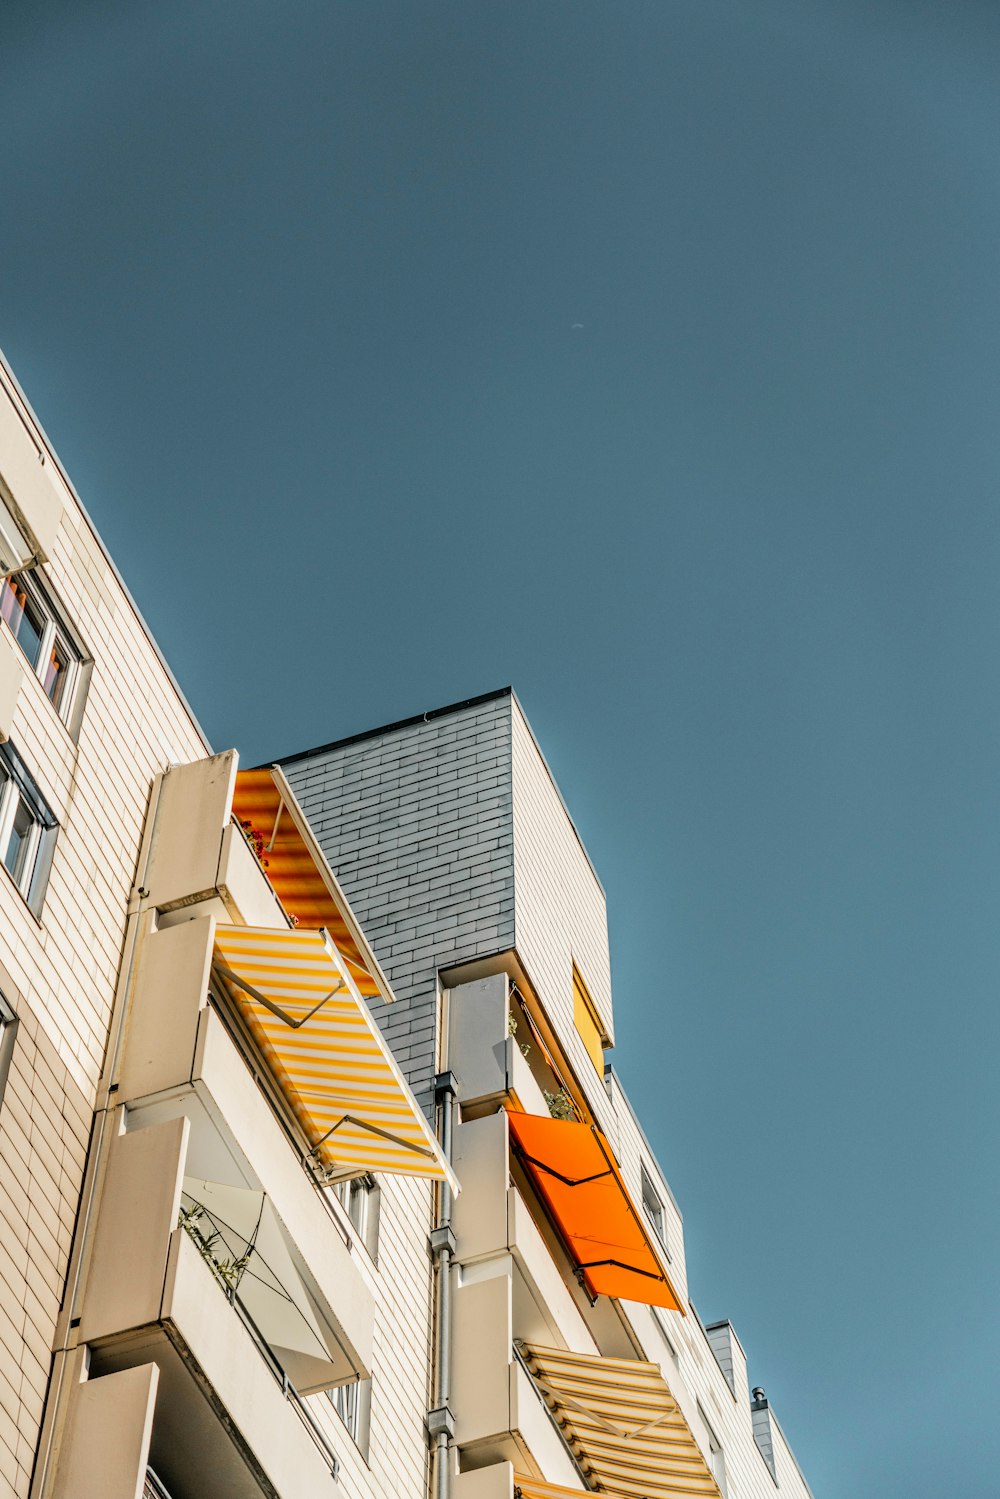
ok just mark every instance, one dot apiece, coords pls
pixel 658 1220
pixel 588 1023
pixel 8 1034
pixel 660 1319
pixel 18 787
pixel 55 632
pixel 353 1404
pixel 716 1454
pixel 360 1197
pixel 16 554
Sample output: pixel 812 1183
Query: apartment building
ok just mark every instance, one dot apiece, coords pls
pixel 569 1356
pixel 313 1177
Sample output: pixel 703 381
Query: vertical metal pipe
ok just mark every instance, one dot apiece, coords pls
pixel 442 1348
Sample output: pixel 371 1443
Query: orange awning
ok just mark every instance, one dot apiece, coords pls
pixel 574 1173
pixel 299 874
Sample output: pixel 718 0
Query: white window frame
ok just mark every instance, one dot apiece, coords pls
pixel 8 1030
pixel 353 1404
pixel 657 1217
pixel 15 553
pixel 54 630
pixel 715 1456
pixel 18 787
pixel 660 1318
pixel 359 1197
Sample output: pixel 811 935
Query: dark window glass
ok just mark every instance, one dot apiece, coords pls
pixel 56 670
pixel 19 841
pixel 24 617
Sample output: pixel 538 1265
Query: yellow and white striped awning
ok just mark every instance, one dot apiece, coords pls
pixel 535 1488
pixel 329 1058
pixel 621 1423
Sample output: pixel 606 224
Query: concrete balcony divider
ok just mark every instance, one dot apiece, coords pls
pixel 192 811
pixel 491 1218
pixel 138 1215
pixel 199 855
pixel 499 1415
pixel 106 1447
pixel 487 1060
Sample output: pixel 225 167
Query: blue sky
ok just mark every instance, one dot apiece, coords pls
pixel 294 290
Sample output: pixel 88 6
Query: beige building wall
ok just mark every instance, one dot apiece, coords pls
pixel 58 971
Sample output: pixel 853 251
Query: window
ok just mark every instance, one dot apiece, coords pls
pixel 15 553
pixel 588 1022
pixel 8 1030
pixel 37 626
pixel 714 1455
pixel 27 829
pixel 653 1206
pixel 663 1328
pixel 360 1199
pixel 353 1403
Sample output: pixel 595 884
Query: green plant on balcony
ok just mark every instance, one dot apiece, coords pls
pixel 512 1031
pixel 227 1270
pixel 560 1105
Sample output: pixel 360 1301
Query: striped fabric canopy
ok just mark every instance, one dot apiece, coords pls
pixel 302 1007
pixel 622 1424
pixel 299 874
pixel 535 1488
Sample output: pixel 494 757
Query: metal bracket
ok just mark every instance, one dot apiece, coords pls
pixel 441 1422
pixel 445 1086
pixel 443 1238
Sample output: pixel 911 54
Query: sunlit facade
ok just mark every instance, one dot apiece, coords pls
pixel 314 1179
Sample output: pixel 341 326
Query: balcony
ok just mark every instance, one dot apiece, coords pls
pixel 235 844
pixel 202 1278
pixel 152 1488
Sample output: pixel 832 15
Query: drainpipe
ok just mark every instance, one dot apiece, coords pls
pixel 440 1421
pixel 97 1155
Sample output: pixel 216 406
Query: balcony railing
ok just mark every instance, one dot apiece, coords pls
pixel 153 1488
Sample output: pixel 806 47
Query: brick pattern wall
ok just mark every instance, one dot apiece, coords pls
pixel 416 824
pixel 60 973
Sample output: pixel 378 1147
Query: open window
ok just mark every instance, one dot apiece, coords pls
pixel 39 628
pixel 588 1022
pixel 714 1455
pixel 27 829
pixel 15 553
pixel 653 1206
pixel 8 1030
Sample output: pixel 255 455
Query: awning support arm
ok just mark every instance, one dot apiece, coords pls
pixel 592 1415
pixel 262 999
pixel 567 1181
pixel 372 1129
pixel 619 1265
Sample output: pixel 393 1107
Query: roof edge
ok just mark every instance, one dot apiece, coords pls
pixel 388 728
